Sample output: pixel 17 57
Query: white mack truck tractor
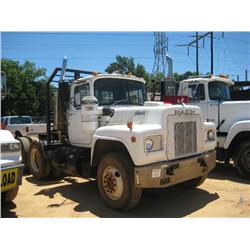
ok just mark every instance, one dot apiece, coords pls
pixel 105 128
pixel 232 118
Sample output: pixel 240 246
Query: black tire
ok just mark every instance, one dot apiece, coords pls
pixel 17 134
pixel 9 195
pixel 130 195
pixel 242 160
pixel 194 182
pixel 25 143
pixel 38 163
pixel 58 162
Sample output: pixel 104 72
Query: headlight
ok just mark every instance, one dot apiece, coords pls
pixel 149 144
pixel 210 135
pixel 10 147
pixel 153 143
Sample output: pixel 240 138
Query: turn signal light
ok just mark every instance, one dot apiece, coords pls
pixel 130 125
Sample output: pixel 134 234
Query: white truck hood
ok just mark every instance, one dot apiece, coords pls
pixel 233 111
pixel 9 158
pixel 7 137
pixel 146 115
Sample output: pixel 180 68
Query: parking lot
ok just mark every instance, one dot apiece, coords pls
pixel 224 194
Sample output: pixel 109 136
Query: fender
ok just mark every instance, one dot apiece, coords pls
pixel 103 133
pixel 122 134
pixel 236 129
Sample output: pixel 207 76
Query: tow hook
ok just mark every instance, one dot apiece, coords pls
pixel 170 169
pixel 203 164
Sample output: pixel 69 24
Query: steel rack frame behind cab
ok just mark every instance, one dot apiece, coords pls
pixel 62 76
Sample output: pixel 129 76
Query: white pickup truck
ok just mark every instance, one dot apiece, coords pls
pixel 22 125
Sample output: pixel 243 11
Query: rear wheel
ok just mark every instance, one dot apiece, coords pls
pixel 9 195
pixel 194 182
pixel 39 165
pixel 115 180
pixel 242 160
pixel 25 143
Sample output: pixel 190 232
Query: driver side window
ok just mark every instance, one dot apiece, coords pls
pixel 80 92
pixel 196 92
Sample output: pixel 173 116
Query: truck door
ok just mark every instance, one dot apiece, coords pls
pixel 197 97
pixel 76 135
pixel 218 92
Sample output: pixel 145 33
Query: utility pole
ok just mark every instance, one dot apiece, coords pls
pixel 197 53
pixel 212 52
pixel 197 38
pixel 246 75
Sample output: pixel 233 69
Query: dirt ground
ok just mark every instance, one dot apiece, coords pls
pixel 224 194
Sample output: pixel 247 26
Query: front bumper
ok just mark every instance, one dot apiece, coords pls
pixel 164 174
pixel 18 169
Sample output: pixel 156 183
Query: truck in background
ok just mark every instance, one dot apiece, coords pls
pixel 11 161
pixel 22 125
pixel 104 128
pixel 232 118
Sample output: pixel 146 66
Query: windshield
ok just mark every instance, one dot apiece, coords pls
pixel 218 91
pixel 111 91
pixel 20 120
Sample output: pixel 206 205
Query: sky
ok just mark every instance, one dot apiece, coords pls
pixel 96 50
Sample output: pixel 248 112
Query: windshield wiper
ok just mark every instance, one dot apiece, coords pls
pixel 122 100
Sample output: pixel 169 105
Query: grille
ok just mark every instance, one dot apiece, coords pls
pixel 185 138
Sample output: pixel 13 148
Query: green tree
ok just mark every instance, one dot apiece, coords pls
pixel 127 65
pixel 25 88
pixel 184 76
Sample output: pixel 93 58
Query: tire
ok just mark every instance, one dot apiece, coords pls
pixel 9 195
pixel 115 179
pixel 25 143
pixel 17 134
pixel 193 183
pixel 242 160
pixel 38 163
pixel 32 138
pixel 58 162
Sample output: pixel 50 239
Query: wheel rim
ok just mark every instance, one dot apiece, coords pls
pixel 112 183
pixel 35 160
pixel 245 159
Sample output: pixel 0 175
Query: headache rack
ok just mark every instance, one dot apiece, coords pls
pixel 62 76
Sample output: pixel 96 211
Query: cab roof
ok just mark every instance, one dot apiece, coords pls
pixel 114 75
pixel 210 79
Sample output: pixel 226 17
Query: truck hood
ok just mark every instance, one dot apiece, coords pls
pixel 146 114
pixel 233 111
pixel 7 137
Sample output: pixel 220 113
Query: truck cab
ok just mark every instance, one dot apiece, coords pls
pixel 110 91
pixel 232 118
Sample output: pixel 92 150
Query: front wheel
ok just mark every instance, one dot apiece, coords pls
pixel 242 160
pixel 115 179
pixel 194 182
